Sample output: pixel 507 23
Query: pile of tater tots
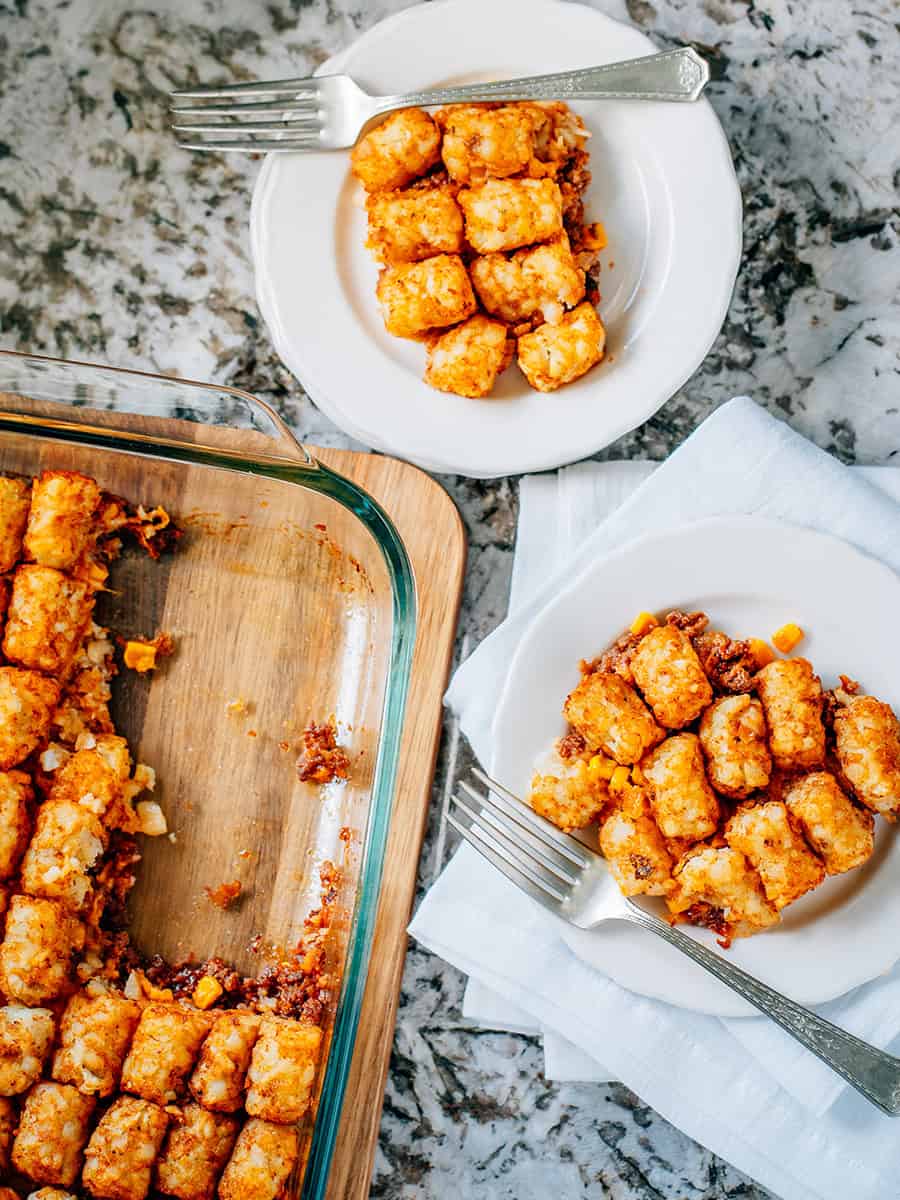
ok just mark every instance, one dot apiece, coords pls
pixel 722 777
pixel 109 1086
pixel 476 215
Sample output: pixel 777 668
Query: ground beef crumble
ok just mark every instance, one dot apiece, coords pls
pixel 322 759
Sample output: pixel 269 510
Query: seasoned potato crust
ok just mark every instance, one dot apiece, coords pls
pixel 67 844
pixel 415 224
pixel 633 846
pixel 611 716
pixel 721 878
pixel 119 1158
pixel 197 1149
pixel 407 144
pixel 16 796
pixel 94 777
pixel 416 297
pixel 218 1080
pixel 733 737
pixel 8 1122
pixel 564 792
pixel 49 614
pixel 261 1163
pixel 52 1132
pixel 27 700
pixel 15 500
pixel 94 1035
pixel 765 834
pixel 840 833
pixel 468 358
pixel 165 1045
pixel 867 742
pixel 556 354
pixel 282 1070
pixel 683 803
pixel 26 1035
pixel 504 214
pixel 481 140
pixel 37 951
pixel 542 279
pixel 59 531
pixel 791 694
pixel 667 670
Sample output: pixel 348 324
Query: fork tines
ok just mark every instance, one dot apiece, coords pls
pixel 531 853
pixel 269 116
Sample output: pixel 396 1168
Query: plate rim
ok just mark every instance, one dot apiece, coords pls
pixel 519 462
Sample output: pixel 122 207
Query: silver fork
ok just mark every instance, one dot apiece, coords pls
pixel 329 112
pixel 573 882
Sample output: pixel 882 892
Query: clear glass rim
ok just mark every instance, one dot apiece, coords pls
pixel 307 472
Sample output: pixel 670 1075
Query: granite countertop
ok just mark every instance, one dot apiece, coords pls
pixel 116 247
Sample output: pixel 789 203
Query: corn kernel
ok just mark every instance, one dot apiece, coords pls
pixel 787 637
pixel 619 779
pixel 207 992
pixel 601 767
pixel 642 622
pixel 761 651
pixel 140 656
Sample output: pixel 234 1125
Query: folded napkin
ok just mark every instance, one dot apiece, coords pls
pixel 740 1087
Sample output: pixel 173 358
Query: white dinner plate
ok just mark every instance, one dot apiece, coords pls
pixel 750 576
pixel 663 184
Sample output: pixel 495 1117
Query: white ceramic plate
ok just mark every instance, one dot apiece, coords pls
pixel 663 185
pixel 750 576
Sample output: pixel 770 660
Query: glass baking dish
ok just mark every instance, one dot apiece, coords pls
pixel 290 598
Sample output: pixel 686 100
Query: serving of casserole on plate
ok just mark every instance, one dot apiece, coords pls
pixel 197 1045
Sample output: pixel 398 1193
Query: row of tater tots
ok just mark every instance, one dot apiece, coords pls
pixel 98 1088
pixel 738 815
pixel 490 230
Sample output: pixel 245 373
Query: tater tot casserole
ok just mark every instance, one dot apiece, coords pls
pixel 120 1076
pixel 716 775
pixel 475 217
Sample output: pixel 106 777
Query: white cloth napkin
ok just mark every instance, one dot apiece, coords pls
pixel 740 1087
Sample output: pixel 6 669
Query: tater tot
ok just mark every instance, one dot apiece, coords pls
pixel 416 297
pixel 165 1045
pixel 767 837
pixel 839 832
pixel 60 522
pixel 8 1122
pixel 218 1080
pixel 8 1194
pixel 48 1193
pixel 52 1132
pixel 634 848
pixel 16 795
pixel 198 1147
pixel 553 355
pixel 867 742
pixel 49 614
pixel 94 776
pixel 504 214
pixel 414 224
pixel 407 144
pixel 611 716
pixel 118 1161
pixel 15 499
pixel 791 694
pixel 37 950
pixel 563 791
pixel 261 1163
pixel 67 844
pixel 733 737
pixel 27 700
pixel 94 1035
pixel 467 359
pixel 542 279
pixel 283 1070
pixel 667 670
pixel 481 141
pixel 722 879
pixel 26 1035
pixel 683 803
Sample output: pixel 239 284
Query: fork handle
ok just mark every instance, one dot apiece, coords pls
pixel 871 1071
pixel 673 75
